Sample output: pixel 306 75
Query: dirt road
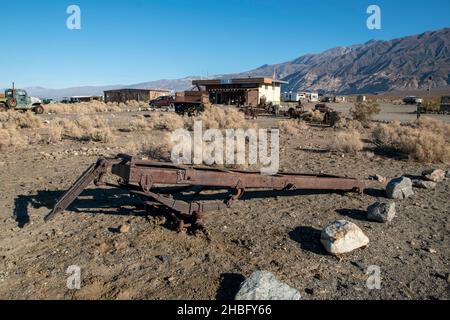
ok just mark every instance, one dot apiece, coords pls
pixel 278 234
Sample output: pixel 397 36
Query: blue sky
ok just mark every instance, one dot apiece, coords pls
pixel 125 42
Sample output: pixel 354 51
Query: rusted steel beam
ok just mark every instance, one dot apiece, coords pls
pixel 140 177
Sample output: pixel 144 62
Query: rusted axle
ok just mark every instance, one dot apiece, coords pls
pixel 142 177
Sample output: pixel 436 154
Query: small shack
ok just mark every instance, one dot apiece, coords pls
pixel 124 95
pixel 242 91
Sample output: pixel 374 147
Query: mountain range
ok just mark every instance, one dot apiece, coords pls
pixel 403 64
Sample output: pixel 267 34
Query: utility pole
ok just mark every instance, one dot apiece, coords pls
pixel 429 86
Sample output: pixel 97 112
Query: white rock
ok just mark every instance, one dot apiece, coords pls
pixel 381 212
pixel 435 175
pixel 263 285
pixel 399 188
pixel 422 184
pixel 343 237
pixel 379 178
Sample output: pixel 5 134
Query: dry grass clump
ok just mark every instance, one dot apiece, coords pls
pixel 158 149
pixel 219 118
pixel 355 125
pixel 19 120
pixel 138 124
pixel 11 137
pixel 86 129
pixel 315 116
pixel 133 104
pixel 160 121
pixel 94 129
pixel 103 135
pixel 166 122
pixel 292 126
pixel 430 104
pixel 82 108
pixel 436 126
pixel 363 112
pixel 347 141
pixel 425 140
pixel 70 129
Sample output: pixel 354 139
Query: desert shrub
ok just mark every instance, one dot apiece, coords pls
pixel 219 118
pixel 355 125
pixel 11 137
pixel 83 108
pixel 436 126
pixel 70 129
pixel 347 141
pixel 430 104
pixel 20 120
pixel 165 122
pixel 292 126
pixel 138 124
pixel 104 135
pixel 425 140
pixel 315 116
pixel 87 123
pixel 133 104
pixel 364 111
pixel 158 149
pixel 53 133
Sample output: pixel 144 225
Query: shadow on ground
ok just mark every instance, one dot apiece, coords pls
pixel 309 239
pixel 353 214
pixel 229 286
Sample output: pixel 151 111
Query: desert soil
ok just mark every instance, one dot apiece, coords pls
pixel 279 233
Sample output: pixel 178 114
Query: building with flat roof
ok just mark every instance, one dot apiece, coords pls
pixel 124 95
pixel 242 91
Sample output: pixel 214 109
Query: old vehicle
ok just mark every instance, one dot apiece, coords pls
pixel 263 108
pixel 190 102
pixel 19 99
pixel 412 100
pixel 330 116
pixel 161 186
pixel 163 101
pixel 445 104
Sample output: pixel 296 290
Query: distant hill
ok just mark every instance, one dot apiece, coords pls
pixel 373 67
pixel 175 85
pixel 402 64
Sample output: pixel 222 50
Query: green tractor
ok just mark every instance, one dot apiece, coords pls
pixel 18 99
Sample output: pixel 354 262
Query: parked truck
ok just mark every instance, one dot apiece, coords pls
pixel 18 99
pixel 190 102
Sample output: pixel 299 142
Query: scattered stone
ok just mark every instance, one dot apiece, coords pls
pixel 381 212
pixel 124 228
pixel 431 250
pixel 378 178
pixel 399 188
pixel 423 184
pixel 163 258
pixel 263 285
pixel 435 175
pixel 342 237
pixel 447 174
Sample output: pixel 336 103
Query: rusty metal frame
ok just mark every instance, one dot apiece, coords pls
pixel 142 177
